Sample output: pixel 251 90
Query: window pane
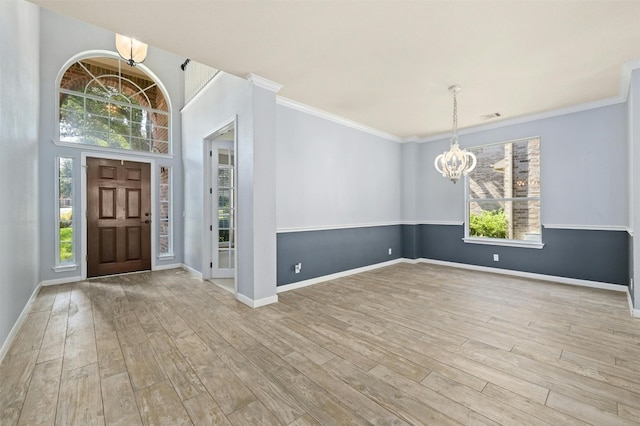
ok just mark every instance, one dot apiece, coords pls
pixel 65 211
pixel 514 220
pixel 165 210
pixel 510 170
pixel 110 98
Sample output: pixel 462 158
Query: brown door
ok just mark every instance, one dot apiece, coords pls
pixel 118 217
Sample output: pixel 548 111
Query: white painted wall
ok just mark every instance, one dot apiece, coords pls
pixel 633 111
pixel 330 175
pixel 61 39
pixel 19 99
pixel 584 169
pixel 224 98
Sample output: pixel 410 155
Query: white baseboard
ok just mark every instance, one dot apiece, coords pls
pixel 256 303
pixel 634 312
pixel 191 270
pixel 61 281
pixel 312 281
pixel 171 266
pixel 14 330
pixel 531 275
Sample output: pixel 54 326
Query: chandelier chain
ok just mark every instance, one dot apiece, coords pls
pixel 455 115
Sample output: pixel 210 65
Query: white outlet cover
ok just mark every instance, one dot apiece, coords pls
pixel 496 258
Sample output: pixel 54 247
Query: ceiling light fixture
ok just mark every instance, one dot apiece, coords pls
pixel 131 50
pixel 456 162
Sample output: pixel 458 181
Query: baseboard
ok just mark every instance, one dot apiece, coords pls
pixel 61 281
pixel 171 266
pixel 632 311
pixel 191 270
pixel 16 326
pixel 531 275
pixel 256 303
pixel 312 281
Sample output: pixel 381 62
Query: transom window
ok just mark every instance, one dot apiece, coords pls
pixel 105 102
pixel 503 194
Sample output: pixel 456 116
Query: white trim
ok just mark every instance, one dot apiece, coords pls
pixel 104 149
pixel 256 303
pixel 331 227
pixel 192 271
pixel 527 118
pixel 629 231
pixel 505 242
pixel 166 256
pixel 65 268
pixel 4 350
pixel 632 311
pixel 586 227
pixel 169 266
pixel 312 281
pixel 367 225
pixel 264 83
pixel 625 77
pixel 531 275
pixel 290 103
pixel 59 281
pixel 441 222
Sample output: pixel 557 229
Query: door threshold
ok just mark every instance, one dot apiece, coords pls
pixel 224 283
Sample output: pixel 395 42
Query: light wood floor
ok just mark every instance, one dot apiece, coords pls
pixel 407 344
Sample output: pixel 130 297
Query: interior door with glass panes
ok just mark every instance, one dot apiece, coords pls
pixel 223 210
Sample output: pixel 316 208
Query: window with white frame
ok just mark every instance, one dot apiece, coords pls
pixel 503 194
pixel 64 212
pixel 107 103
pixel 166 225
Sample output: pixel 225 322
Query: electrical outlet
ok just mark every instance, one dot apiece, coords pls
pixel 389 250
pixel 496 258
pixel 297 267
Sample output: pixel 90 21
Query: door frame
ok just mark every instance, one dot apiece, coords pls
pixel 207 145
pixel 83 208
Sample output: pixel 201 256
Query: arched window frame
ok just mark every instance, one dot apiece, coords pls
pixel 143 68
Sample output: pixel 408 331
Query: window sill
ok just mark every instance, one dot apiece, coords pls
pixel 123 152
pixel 65 268
pixel 506 243
pixel 167 256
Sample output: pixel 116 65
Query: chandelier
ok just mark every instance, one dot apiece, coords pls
pixel 456 162
pixel 131 50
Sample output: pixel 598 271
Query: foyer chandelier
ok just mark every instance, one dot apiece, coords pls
pixel 456 162
pixel 131 50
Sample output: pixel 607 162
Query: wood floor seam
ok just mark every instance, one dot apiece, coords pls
pixel 405 344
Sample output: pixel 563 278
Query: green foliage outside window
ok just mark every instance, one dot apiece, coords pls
pixel 488 224
pixel 66 244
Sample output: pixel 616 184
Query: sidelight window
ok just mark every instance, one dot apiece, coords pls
pixel 166 225
pixel 65 255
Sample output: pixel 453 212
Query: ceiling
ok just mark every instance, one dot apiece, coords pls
pixel 387 64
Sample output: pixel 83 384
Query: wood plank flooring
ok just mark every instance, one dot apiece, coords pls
pixel 405 344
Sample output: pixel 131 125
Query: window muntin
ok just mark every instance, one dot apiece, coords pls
pixel 503 193
pixel 166 221
pixel 64 212
pixel 105 102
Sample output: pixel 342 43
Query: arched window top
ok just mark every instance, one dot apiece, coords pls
pixel 105 102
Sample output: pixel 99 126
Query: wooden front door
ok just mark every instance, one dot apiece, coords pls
pixel 118 217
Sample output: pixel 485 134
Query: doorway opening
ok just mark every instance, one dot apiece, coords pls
pixel 222 206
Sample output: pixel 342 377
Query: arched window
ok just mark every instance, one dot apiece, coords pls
pixel 105 102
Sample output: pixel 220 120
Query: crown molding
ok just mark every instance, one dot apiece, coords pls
pixel 533 117
pixel 264 83
pixel 335 118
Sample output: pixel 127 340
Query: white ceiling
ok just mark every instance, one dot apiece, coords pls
pixel 387 64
